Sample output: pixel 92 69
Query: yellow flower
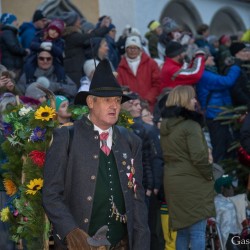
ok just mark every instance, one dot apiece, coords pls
pixel 10 187
pixel 5 214
pixel 130 121
pixel 45 113
pixel 34 186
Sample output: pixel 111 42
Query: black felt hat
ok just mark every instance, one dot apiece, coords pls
pixel 103 84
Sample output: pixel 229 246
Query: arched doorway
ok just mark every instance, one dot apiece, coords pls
pixel 226 21
pixel 188 16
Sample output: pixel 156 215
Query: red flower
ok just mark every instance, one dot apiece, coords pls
pixel 37 157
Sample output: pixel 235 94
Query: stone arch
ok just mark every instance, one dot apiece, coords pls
pixel 188 16
pixel 54 8
pixel 226 21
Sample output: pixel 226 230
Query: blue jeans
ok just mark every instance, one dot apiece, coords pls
pixel 193 236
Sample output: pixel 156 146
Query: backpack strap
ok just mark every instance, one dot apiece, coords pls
pixel 71 135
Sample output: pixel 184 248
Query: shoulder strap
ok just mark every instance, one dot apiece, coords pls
pixel 71 135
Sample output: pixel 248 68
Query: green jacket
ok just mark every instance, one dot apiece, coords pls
pixel 188 182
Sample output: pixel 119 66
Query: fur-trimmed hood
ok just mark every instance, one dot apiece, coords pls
pixel 179 114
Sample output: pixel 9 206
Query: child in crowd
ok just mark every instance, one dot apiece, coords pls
pixel 48 39
pixel 62 113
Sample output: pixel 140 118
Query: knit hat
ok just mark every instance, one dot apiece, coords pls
pixel 70 18
pixel 59 100
pixel 174 49
pixel 38 15
pixel 212 39
pixel 33 91
pixel 8 18
pixel 169 25
pixel 133 40
pixel 224 39
pixel 236 47
pixel 89 66
pixel 224 181
pixel 103 84
pixel 58 25
pixel 87 26
pixel 153 25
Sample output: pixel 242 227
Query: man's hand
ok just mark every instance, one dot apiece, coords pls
pixel 77 239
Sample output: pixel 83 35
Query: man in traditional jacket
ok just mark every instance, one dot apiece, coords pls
pixel 93 192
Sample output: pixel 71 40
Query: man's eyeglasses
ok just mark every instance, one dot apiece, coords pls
pixel 41 58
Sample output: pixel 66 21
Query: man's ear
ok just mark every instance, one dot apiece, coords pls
pixel 90 101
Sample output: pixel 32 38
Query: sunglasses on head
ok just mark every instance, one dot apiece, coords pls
pixel 41 58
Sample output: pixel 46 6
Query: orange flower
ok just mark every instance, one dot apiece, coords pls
pixel 10 187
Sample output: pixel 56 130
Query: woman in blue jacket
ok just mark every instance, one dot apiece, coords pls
pixel 213 92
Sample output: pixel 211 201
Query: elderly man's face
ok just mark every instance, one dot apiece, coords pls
pixel 133 51
pixel 104 111
pixel 44 60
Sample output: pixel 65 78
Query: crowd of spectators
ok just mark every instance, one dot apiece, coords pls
pixel 61 55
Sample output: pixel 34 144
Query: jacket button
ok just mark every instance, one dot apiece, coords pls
pixel 95 156
pixel 96 137
pixel 86 220
pixel 92 177
pixel 89 198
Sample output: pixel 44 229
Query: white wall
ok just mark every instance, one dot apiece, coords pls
pixel 138 13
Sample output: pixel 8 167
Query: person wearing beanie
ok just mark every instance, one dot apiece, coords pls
pixel 240 92
pixel 139 72
pixel 224 53
pixel 48 39
pixel 62 113
pixel 89 69
pixel 8 19
pixel 12 52
pixel 28 30
pixel 78 47
pixel 153 35
pixel 173 73
pixel 44 67
pixel 34 92
pixel 70 18
pixel 171 32
pixel 213 92
pixel 231 212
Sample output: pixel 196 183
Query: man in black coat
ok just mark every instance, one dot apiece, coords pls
pixel 93 192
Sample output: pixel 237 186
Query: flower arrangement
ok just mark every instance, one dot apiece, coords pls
pixel 28 134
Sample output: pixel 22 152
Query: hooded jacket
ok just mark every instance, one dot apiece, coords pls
pixel 188 182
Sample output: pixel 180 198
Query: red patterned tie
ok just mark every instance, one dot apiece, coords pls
pixel 104 147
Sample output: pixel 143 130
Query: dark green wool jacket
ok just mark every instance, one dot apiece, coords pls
pixel 188 183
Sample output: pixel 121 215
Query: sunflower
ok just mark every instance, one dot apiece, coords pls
pixel 10 187
pixel 4 215
pixel 34 186
pixel 44 113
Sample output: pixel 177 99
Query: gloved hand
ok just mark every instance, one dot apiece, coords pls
pixel 77 239
pixel 202 51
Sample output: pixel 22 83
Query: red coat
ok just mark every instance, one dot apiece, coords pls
pixel 173 74
pixel 146 83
